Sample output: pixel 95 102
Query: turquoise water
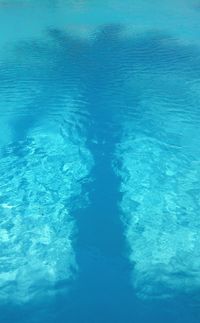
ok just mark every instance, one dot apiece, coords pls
pixel 99 161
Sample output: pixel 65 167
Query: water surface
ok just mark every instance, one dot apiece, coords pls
pixel 99 161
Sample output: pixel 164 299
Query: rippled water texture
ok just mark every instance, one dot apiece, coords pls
pixel 99 161
pixel 160 180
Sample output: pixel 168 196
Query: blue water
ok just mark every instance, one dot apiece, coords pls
pixel 99 161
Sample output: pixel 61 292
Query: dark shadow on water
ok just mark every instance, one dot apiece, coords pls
pixel 103 285
pixel 102 292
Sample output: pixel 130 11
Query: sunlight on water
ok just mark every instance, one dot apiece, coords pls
pixel 99 151
pixel 161 189
pixel 160 174
pixel 39 177
pixel 43 162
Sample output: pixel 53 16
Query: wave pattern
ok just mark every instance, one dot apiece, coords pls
pixel 160 175
pixel 40 176
pixel 145 87
pixel 44 161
